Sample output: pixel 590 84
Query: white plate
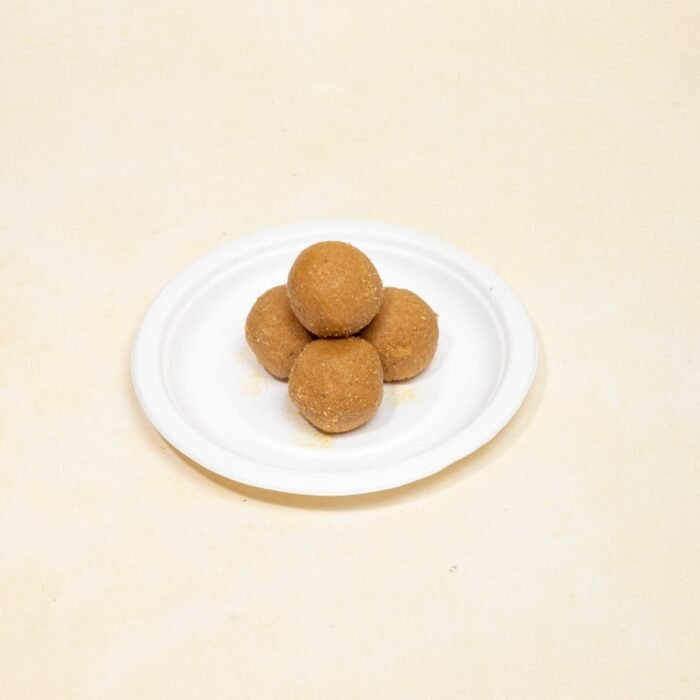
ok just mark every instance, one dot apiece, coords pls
pixel 203 390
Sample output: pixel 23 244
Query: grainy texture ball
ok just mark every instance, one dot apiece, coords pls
pixel 334 289
pixel 274 333
pixel 404 333
pixel 337 385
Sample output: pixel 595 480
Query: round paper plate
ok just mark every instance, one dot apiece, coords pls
pixel 203 390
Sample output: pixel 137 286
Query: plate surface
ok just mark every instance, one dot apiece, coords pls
pixel 203 390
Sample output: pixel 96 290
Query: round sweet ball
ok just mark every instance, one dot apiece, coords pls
pixel 404 333
pixel 274 333
pixel 334 289
pixel 337 384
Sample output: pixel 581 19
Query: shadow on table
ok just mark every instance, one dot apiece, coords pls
pixel 437 482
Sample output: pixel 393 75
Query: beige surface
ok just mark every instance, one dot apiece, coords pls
pixel 557 141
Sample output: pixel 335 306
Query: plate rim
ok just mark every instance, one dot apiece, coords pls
pixel 159 407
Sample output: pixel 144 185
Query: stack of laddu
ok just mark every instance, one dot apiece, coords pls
pixel 337 334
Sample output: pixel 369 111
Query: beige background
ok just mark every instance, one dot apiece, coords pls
pixel 559 142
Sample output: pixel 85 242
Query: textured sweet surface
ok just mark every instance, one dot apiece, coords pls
pixel 334 289
pixel 404 333
pixel 555 141
pixel 337 384
pixel 274 333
